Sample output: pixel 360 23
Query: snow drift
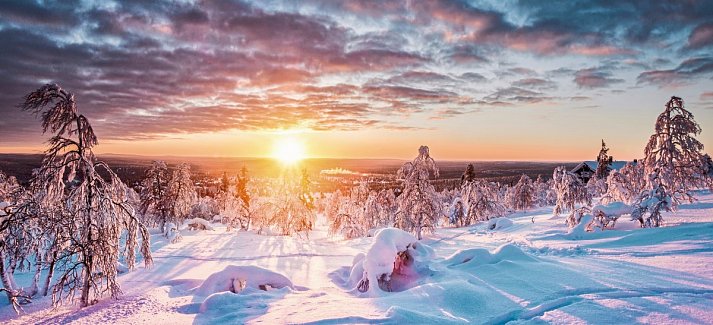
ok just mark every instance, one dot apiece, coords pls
pixel 235 278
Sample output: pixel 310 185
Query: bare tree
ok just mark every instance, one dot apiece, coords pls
pixel 90 194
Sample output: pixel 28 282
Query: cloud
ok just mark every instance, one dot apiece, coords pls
pixel 701 36
pixel 535 83
pixel 591 78
pixel 688 71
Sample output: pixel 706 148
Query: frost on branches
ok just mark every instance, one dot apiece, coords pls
pixel 88 200
pixel 674 154
pixel 419 205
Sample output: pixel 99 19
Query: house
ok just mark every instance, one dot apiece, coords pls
pixel 586 169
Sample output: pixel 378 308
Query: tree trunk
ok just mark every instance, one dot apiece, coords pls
pixel 50 274
pixel 86 281
pixel 34 288
pixel 6 279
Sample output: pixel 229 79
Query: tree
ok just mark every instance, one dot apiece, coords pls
pixel 91 196
pixel 674 154
pixel 418 205
pixel 155 198
pixel 603 162
pixel 181 194
pixel 468 174
pixel 482 200
pixel 243 195
pixel 523 194
pixel 570 191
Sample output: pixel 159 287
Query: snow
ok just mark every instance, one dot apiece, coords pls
pixel 248 276
pixel 613 209
pixel 499 223
pixel 529 272
pixel 198 224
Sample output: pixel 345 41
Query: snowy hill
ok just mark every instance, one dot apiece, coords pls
pixel 524 272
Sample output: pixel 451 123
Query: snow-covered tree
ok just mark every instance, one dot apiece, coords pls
pixel 483 201
pixel 181 194
pixel 523 196
pixel 91 196
pixel 291 208
pixel 419 206
pixel 674 154
pixel 544 193
pixel 625 185
pixel 570 191
pixel 155 197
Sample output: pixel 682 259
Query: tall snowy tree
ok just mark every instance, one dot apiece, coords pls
pixel 181 194
pixel 419 206
pixel 674 154
pixel 154 194
pixel 603 162
pixel 483 201
pixel 91 195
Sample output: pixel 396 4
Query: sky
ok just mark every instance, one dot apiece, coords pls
pixel 473 80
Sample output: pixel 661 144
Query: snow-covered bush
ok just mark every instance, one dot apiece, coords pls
pixel 650 205
pixel 482 200
pixel 395 262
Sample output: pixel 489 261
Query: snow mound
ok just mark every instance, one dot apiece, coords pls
pixel 395 261
pixel 236 278
pixel 198 224
pixel 481 256
pixel 499 223
pixel 172 233
pixel 580 230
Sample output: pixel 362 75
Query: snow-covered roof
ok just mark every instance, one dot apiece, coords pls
pixel 615 165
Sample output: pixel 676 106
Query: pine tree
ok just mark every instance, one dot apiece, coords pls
pixel 94 204
pixel 603 162
pixel 674 154
pixel 468 174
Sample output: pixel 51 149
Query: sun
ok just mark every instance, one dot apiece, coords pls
pixel 288 150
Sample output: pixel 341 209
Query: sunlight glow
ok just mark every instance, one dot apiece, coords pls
pixel 288 150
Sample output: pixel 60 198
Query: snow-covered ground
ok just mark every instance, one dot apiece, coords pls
pixel 530 271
